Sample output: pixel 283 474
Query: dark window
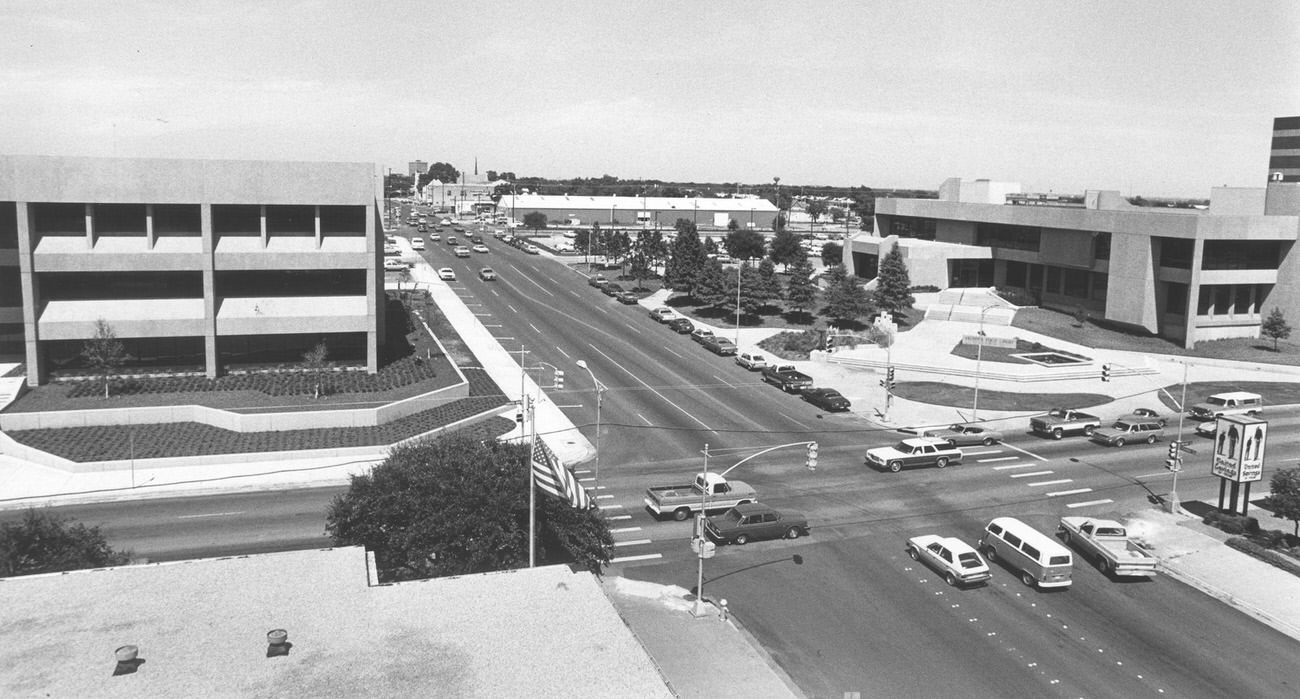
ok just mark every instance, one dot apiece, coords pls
pixel 1243 303
pixel 995 528
pixel 79 286
pixel 1176 252
pixel 1222 298
pixel 181 220
pixel 58 219
pixel 250 283
pixel 1176 298
pixel 1012 539
pixel 1099 283
pixel 1076 283
pixel 236 219
pixel 1030 551
pixel 11 288
pixel 1101 246
pixel 1205 301
pixel 998 235
pixel 1053 285
pixel 912 227
pixel 119 219
pixel 1017 274
pixel 1241 254
pixel 8 226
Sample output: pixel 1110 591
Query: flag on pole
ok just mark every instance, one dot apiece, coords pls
pixel 552 476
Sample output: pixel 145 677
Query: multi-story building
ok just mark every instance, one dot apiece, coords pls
pixel 194 264
pixel 1284 160
pixel 1185 274
pixel 416 167
pixel 647 212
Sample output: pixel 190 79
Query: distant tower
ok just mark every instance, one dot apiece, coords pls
pixel 417 167
pixel 1284 160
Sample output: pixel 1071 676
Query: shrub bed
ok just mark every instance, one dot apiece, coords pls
pixel 1268 556
pixel 792 344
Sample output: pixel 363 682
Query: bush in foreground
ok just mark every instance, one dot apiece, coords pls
pixel 43 542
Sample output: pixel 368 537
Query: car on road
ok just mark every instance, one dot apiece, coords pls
pixel 459 229
pixel 681 326
pixel 917 451
pixel 444 222
pixel 1231 403
pixel 827 399
pixel 451 240
pixel 1147 414
pixel 612 288
pixel 392 264
pixel 965 435
pixel 663 314
pixel 462 251
pixel 628 298
pixel 417 243
pixel 700 333
pixel 447 274
pixel 486 274
pixel 752 361
pixel 434 237
pixel 392 250
pixel 957 561
pixel 750 522
pixel 1127 430
pixel 1059 422
pixel 1207 429
pixel 720 346
pixel 480 248
pixel 599 281
pixel 532 249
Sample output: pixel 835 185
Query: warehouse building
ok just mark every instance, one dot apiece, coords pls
pixel 194 264
pixel 642 212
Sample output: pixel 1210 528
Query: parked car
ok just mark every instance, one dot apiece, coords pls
pixel 612 289
pixel 392 264
pixel 700 333
pixel 787 377
pixel 1232 403
pixel 720 346
pixel 827 399
pixel 417 243
pixel 918 451
pixel 486 274
pixel 628 298
pixel 1147 414
pixel 480 248
pixel 965 434
pixel 447 274
pixel 744 523
pixel 599 281
pixel 957 561
pixel 1129 430
pixel 391 250
pixel 532 249
pixel 681 326
pixel 663 314
pixel 462 251
pixel 752 361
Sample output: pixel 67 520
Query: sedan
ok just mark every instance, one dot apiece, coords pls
pixel 663 314
pixel 486 274
pixel 417 243
pixel 827 399
pixel 532 249
pixel 744 523
pixel 628 298
pixel 447 274
pixel 1148 414
pixel 700 333
pixel 462 251
pixel 957 561
pixel 965 434
pixel 612 289
pixel 480 248
pixel 391 250
pixel 681 325
pixel 392 264
pixel 598 281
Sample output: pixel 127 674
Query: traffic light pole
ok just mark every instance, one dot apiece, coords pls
pixel 1174 505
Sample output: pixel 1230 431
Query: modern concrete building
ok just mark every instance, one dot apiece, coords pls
pixel 1284 160
pixel 1187 275
pixel 416 167
pixel 643 212
pixel 194 264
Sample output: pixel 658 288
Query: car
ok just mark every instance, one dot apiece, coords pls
pixel 459 229
pixel 1128 430
pixel 444 222
pixel 486 274
pixel 390 240
pixel 599 281
pixel 663 314
pixel 957 561
pixel 700 333
pixel 827 399
pixel 393 264
pixel 391 250
pixel 508 240
pixel 752 361
pixel 434 237
pixel 1231 403
pixel 965 435
pixel 447 274
pixel 476 239
pixel 462 251
pixel 752 521
pixel 417 243
pixel 422 228
pixel 1148 414
pixel 480 248
pixel 451 240
pixel 681 325
pixel 612 289
pixel 628 298
pixel 720 346
pixel 917 451
pixel 532 249
pixel 1207 429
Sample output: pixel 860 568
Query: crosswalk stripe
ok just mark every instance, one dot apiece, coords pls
pixel 1076 491
pixel 637 542
pixel 1055 482
pixel 1090 502
pixel 624 529
pixel 1003 468
pixel 643 557
pixel 1000 458
pixel 981 453
pixel 1034 473
pixel 619 517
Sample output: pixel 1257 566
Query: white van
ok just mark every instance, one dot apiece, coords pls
pixel 1233 403
pixel 1041 560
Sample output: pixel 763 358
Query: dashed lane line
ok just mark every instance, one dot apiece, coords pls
pixel 1007 466
pixel 999 458
pixel 672 352
pixel 512 309
pixel 534 327
pixel 652 388
pixel 561 351
pixel 1033 473
pixel 607 497
pixel 1055 482
pixel 1089 503
pixel 644 418
pixel 1076 491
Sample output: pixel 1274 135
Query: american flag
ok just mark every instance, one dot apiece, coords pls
pixel 553 477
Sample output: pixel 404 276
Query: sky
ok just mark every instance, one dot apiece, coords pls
pixel 1159 99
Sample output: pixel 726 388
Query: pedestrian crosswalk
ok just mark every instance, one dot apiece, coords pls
pixel 626 538
pixel 1035 472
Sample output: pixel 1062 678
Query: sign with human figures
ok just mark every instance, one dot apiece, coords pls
pixel 1239 443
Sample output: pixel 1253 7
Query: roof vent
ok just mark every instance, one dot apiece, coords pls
pixel 128 660
pixel 277 643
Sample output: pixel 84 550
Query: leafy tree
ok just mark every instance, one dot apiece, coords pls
pixel 893 283
pixel 832 253
pixel 43 542
pixel 766 281
pixel 816 208
pixel 754 291
pixel 396 185
pixel 786 249
pixel 443 172
pixel 711 246
pixel 778 223
pixel 1284 496
pixel 685 260
pixel 732 225
pixel 457 506
pixel 847 301
pixel 620 245
pixel 105 354
pixel 639 267
pixel 582 240
pixel 801 289
pixel 652 245
pixel 745 244
pixel 834 274
pixel 711 287
pixel 535 220
pixel 314 363
pixel 1275 327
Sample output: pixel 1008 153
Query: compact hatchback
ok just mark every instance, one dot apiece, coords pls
pixel 751 360
pixel 957 561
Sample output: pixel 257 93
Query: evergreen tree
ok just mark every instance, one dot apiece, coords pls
pixel 711 287
pixel 847 301
pixel 767 282
pixel 754 291
pixel 1275 327
pixel 894 284
pixel 710 246
pixel 685 260
pixel 786 249
pixel 801 289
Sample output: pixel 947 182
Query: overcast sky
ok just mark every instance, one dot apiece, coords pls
pixel 1158 99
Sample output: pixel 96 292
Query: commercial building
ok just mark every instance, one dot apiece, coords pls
pixel 1184 274
pixel 1284 160
pixel 194 264
pixel 643 212
pixel 416 167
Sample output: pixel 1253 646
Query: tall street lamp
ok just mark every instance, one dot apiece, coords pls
pixel 979 357
pixel 600 393
pixel 738 305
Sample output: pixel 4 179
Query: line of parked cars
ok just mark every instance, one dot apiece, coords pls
pixel 613 290
pixel 1143 424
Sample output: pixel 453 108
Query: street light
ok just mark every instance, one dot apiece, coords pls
pixel 600 393
pixel 738 305
pixel 979 357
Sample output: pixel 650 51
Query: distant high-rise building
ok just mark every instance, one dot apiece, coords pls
pixel 1284 160
pixel 417 167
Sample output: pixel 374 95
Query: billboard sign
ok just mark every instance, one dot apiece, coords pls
pixel 1239 443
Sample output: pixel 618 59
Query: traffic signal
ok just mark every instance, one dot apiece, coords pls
pixel 830 342
pixel 1105 372
pixel 1173 449
pixel 519 416
pixel 889 378
pixel 559 379
pixel 1173 465
pixel 812 456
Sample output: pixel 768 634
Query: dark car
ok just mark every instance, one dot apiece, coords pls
pixel 681 325
pixel 612 289
pixel 627 298
pixel 826 398
pixel 597 281
pixel 965 435
pixel 750 522
pixel 719 345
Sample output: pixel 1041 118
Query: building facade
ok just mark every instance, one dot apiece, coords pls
pixel 643 212
pixel 1284 158
pixel 194 264
pixel 416 167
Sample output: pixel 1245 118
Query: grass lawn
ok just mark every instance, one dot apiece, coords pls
pixel 1003 354
pixel 1102 336
pixel 936 393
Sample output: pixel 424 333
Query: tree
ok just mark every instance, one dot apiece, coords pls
pixel 582 239
pixel 685 260
pixel 766 282
pixel 786 249
pixel 778 223
pixel 732 225
pixel 443 172
pixel 816 208
pixel 1284 496
pixel 711 286
pixel 754 290
pixel 652 245
pixel 847 301
pixel 43 542
pixel 1275 327
pixel 314 363
pixel 801 289
pixel 105 354
pixel 745 244
pixel 535 220
pixel 639 267
pixel 832 253
pixel 458 506
pixel 711 246
pixel 893 283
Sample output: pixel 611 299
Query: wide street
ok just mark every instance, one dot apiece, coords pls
pixel 844 609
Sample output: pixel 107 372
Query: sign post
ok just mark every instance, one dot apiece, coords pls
pixel 1239 447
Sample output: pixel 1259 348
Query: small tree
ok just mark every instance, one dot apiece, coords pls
pixel 744 244
pixel 1284 496
pixel 43 542
pixel 832 254
pixel 535 220
pixel 786 249
pixel 847 301
pixel 801 289
pixel 1080 316
pixel 105 354
pixel 314 363
pixel 1275 327
pixel 816 208
pixel 685 259
pixel 894 284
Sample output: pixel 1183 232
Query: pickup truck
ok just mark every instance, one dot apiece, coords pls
pixel 681 501
pixel 1107 543
pixel 1059 422
pixel 787 378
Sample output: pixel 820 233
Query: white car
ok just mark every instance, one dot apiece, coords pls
pixel 957 561
pixel 417 243
pixel 447 274
pixel 663 314
pixel 462 251
pixel 480 248
pixel 391 250
pixel 751 360
pixel 393 264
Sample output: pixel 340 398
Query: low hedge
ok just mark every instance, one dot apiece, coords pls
pixel 1270 557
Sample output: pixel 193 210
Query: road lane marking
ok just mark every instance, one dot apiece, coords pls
pixel 636 542
pixel 789 418
pixel 672 353
pixel 1027 475
pixel 1055 482
pixel 1076 491
pixel 1000 458
pixel 494 292
pixel 569 407
pixel 1157 474
pixel 728 383
pixel 1007 466
pixel 652 389
pixel 571 291
pixel 561 351
pixel 530 281
pixel 645 557
pixel 981 453
pixel 584 480
pixel 1022 451
pixel 633 329
pixel 1090 502
pixel 210 514
pixel 620 530
pixel 644 418
pixel 492 326
pixel 485 315
pixel 508 337
pixel 612 507
pixel 534 327
pixel 585 470
pixel 512 309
